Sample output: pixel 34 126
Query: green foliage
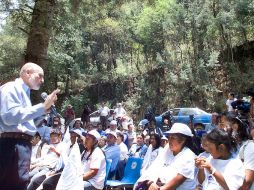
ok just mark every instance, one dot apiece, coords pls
pixel 162 53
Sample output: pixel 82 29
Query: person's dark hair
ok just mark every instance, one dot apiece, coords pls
pixel 232 94
pixel 142 135
pixel 81 123
pixel 37 134
pixel 121 136
pixel 157 139
pixel 219 136
pixel 189 142
pixel 95 145
pixel 242 129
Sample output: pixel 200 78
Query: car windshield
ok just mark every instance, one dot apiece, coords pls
pixel 188 111
pixel 199 111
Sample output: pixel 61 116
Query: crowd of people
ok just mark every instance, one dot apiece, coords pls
pixel 72 153
pixel 223 160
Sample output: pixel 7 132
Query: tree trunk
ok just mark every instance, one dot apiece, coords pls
pixel 39 35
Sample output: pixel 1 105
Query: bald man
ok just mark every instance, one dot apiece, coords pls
pixel 17 126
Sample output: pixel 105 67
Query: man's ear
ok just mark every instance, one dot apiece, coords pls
pixel 221 148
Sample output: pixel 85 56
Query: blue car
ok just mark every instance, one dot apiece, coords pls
pixel 183 115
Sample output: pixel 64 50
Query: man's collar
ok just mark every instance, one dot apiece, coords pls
pixel 23 85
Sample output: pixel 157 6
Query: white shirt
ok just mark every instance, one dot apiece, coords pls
pixel 123 151
pixel 246 154
pixel 104 111
pixel 51 159
pixel 167 166
pixel 96 161
pixel 120 112
pixel 150 156
pixel 34 151
pixel 232 171
pixel 228 103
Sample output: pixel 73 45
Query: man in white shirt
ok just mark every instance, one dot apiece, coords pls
pixel 119 111
pixel 104 112
pixel 231 98
pixel 123 156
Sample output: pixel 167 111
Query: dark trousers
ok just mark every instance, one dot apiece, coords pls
pixel 51 182
pixel 15 155
pixel 103 120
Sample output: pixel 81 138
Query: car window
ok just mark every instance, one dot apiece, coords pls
pixel 187 111
pixel 95 114
pixel 200 112
pixel 176 111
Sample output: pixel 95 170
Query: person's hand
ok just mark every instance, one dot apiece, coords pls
pixel 50 100
pixel 153 186
pixel 199 161
pixel 205 164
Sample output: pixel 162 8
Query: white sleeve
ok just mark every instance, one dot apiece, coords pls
pixel 187 167
pixel 249 156
pixel 235 176
pixel 97 159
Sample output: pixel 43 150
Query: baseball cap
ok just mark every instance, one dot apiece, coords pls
pixel 113 122
pixel 143 122
pixel 95 134
pixel 164 138
pixel 112 133
pixel 180 128
pixel 77 131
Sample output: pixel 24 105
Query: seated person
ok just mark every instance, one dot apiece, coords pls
pixel 37 145
pixel 112 151
pixel 152 151
pixel 123 156
pixel 174 168
pixel 53 177
pixel 139 149
pixel 94 162
pixel 51 161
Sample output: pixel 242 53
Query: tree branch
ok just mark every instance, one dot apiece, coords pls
pixel 23 30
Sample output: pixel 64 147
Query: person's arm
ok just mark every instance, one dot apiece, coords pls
pixel 53 149
pixel 12 107
pixel 248 180
pixel 216 174
pixel 201 172
pixel 174 183
pixel 91 173
pixel 13 111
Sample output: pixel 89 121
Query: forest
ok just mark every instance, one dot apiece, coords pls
pixel 144 53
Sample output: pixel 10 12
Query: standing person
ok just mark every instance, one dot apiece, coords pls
pixel 85 118
pixel 104 113
pixel 231 98
pixel 69 114
pixel 17 126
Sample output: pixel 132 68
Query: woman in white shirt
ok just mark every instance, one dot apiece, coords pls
pixel 245 151
pixel 94 162
pixel 152 151
pixel 220 171
pixel 174 167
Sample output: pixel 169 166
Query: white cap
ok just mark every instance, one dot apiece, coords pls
pixel 113 122
pixel 112 133
pixel 180 128
pixel 94 133
pixel 77 131
pixel 164 138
